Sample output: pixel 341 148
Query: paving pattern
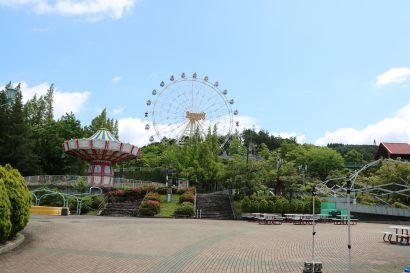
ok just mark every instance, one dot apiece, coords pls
pixel 108 244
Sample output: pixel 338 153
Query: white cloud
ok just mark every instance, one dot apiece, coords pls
pixel 299 138
pixel 116 79
pixel 63 101
pixel 93 10
pixel 393 75
pixel 395 128
pixel 132 130
pixel 117 111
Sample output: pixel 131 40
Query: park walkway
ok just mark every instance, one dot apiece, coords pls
pixel 106 244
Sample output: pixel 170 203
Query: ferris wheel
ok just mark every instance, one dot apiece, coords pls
pixel 190 104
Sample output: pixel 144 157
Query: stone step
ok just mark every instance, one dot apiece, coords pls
pixel 214 206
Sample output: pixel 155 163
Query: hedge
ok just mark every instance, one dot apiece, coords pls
pixel 19 196
pixel 152 196
pixel 5 223
pixel 149 208
pixel 187 196
pixel 185 209
pixel 280 205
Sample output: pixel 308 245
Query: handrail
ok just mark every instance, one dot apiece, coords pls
pixel 196 216
pixel 73 179
pixel 103 205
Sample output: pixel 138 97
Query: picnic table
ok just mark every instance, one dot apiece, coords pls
pixel 325 218
pixel 343 220
pixel 300 219
pixel 270 219
pixel 399 234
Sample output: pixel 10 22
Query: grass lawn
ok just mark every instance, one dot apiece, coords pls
pixel 167 209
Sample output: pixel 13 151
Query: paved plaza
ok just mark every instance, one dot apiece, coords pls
pixel 108 244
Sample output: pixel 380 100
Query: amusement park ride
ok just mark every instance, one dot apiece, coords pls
pixel 187 105
pixel 102 150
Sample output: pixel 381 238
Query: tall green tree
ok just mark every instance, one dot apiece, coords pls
pixel 18 145
pixel 102 121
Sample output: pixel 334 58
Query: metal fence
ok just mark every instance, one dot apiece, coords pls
pixel 71 180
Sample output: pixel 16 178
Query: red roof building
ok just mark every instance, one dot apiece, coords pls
pixel 393 150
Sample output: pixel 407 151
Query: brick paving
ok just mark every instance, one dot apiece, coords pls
pixel 107 244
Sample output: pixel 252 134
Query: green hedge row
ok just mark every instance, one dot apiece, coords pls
pixel 279 205
pixel 15 202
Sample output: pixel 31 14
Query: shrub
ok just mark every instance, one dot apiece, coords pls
pixel 184 190
pixel 149 208
pixel 185 209
pixel 152 196
pixel 271 206
pixel 86 204
pixel 97 200
pixel 81 185
pixel 188 196
pixel 5 223
pixel 309 204
pixel 263 206
pixel 282 205
pixel 148 189
pixel 400 205
pixel 254 206
pixel 246 204
pixel 162 190
pixel 366 199
pixel 19 196
pixel 119 193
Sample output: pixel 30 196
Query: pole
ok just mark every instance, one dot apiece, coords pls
pixel 349 232
pixel 314 229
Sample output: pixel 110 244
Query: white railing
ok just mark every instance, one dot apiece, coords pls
pixel 71 180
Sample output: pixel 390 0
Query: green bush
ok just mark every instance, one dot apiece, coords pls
pixel 366 199
pixel 81 186
pixel 148 189
pixel 19 196
pixel 162 190
pixel 97 200
pixel 263 206
pixel 400 205
pixel 152 196
pixel 246 204
pixel 309 204
pixel 254 206
pixel 185 209
pixel 149 208
pixel 5 223
pixel 188 196
pixel 271 206
pixel 282 205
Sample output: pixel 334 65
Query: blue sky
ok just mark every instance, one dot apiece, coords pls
pixel 324 71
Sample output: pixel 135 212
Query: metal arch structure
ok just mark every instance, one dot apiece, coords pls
pixel 65 196
pixel 350 185
pixel 186 105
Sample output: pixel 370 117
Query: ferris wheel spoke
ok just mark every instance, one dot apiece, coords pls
pixel 193 96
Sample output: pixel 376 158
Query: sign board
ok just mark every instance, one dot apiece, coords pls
pixel 183 183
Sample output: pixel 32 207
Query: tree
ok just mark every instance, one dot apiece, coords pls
pixel 18 146
pixel 354 157
pixel 101 121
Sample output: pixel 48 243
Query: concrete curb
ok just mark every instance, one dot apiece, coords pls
pixel 10 245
